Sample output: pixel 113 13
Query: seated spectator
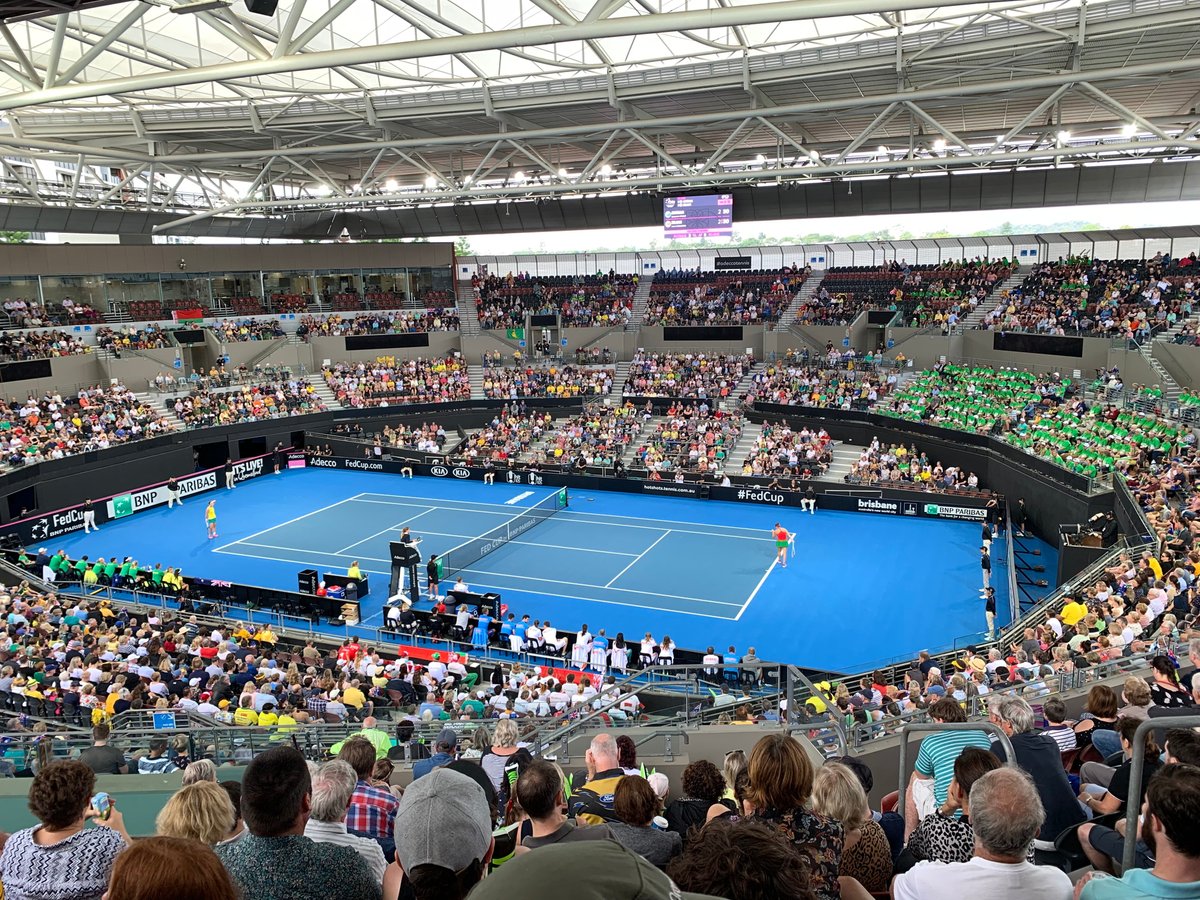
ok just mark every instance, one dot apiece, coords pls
pixel 1169 818
pixel 198 812
pixel 697 376
pixel 636 805
pixel 443 752
pixel 866 854
pixel 947 836
pixel 1037 754
pixel 703 787
pixel 934 767
pixel 334 786
pixel 443 838
pixel 156 762
pixel 1104 789
pixel 102 758
pixel 372 811
pixel 1136 695
pixel 1006 815
pixel 61 854
pixel 173 867
pixel 1097 724
pixel 749 861
pixel 275 861
pixel 413 380
pixel 539 791
pixel 593 802
pixel 1057 726
pixel 781 780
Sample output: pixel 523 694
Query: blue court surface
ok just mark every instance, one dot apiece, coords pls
pixel 860 589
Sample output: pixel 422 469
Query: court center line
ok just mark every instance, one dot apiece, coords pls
pixel 637 558
pixel 393 527
pixel 754 592
pixel 288 522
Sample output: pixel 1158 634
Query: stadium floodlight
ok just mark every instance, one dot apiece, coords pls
pixel 882 150
pixel 760 159
pixel 1129 130
pixel 563 173
pixel 392 184
pixel 431 182
pixel 1064 136
pixel 606 170
pixel 939 145
pixel 518 176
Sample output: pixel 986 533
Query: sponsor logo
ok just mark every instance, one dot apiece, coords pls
pixel 244 471
pixel 971 513
pixel 890 507
pixel 461 472
pixel 439 471
pixel 123 505
pixel 535 478
pixel 763 496
pixel 323 463
pixel 57 524
pixel 364 465
pixel 128 504
pixel 908 508
pixel 656 487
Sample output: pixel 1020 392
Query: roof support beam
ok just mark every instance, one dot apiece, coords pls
pixel 128 21
pixel 56 45
pixel 322 22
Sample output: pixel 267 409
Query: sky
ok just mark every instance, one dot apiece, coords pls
pixel 1116 215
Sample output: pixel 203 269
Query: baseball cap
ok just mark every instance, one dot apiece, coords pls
pixel 447 737
pixel 443 820
pixel 607 871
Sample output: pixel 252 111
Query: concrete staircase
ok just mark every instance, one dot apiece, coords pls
pixel 743 386
pixel 806 292
pixel 323 390
pixel 468 313
pixel 992 300
pixel 743 448
pixel 844 457
pixel 475 375
pixel 640 297
pixel 620 376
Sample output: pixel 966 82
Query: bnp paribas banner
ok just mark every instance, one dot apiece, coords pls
pixel 127 504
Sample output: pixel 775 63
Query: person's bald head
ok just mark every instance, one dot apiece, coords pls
pixel 370 722
pixel 1006 813
pixel 603 751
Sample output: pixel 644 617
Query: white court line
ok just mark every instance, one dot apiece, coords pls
pixel 637 558
pixel 303 562
pixel 517 499
pixel 469 537
pixel 471 503
pixel 393 527
pixel 754 592
pixel 288 522
pixel 500 511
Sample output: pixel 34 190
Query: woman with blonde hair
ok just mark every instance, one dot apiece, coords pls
pixel 200 812
pixel 200 770
pixel 867 856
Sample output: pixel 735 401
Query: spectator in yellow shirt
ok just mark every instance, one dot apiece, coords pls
pixel 245 714
pixel 268 717
pixel 1072 612
pixel 353 696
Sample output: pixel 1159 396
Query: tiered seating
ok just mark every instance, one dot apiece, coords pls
pixel 707 376
pixel 232 331
pixel 189 305
pixel 693 297
pixel 247 306
pixel 402 322
pixel 248 403
pixel 508 437
pixel 596 437
pixel 579 301
pixel 895 463
pixel 691 439
pixel 388 380
pixel 54 426
pixel 930 294
pixel 428 437
pixel 552 380
pixel 1131 299
pixel 130 338
pixel 346 302
pixel 797 383
pixel 145 310
pixel 39 344
pixel 779 451
pixel 289 303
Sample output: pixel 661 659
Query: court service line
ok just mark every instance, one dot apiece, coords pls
pixel 637 558
pixel 499 506
pixel 532 544
pixel 302 562
pixel 288 522
pixel 394 527
pixel 754 592
pixel 517 499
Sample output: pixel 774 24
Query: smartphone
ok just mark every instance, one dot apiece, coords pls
pixel 102 804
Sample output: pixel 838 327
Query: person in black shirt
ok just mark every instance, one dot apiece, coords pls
pixel 810 500
pixel 89 516
pixel 989 610
pixel 229 474
pixel 985 562
pixel 173 492
pixel 431 570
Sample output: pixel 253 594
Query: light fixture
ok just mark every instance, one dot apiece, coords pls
pixel 881 150
pixel 356 188
pixel 760 159
pixel 391 184
pixel 939 145
pixel 322 190
pixel 814 156
pixel 467 181
pixel 563 173
pixel 1129 130
pixel 606 170
pixel 431 182
pixel 1064 136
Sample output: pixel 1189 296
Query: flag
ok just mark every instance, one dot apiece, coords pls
pixel 515 334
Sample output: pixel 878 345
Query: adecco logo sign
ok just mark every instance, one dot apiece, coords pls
pixel 323 463
pixel 439 471
pixel 460 472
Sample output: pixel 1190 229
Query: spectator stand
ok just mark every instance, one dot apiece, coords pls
pixel 722 298
pixel 389 380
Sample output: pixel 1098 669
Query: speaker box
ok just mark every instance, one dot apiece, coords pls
pixel 262 7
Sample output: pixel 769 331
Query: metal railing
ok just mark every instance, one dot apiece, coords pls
pixel 934 727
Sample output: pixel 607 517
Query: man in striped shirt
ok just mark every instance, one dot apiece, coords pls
pixel 935 763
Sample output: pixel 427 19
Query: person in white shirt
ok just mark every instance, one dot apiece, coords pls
pixel 550 638
pixel 1006 814
pixel 332 787
pixel 436 668
pixel 647 652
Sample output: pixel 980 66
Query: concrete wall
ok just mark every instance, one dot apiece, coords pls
pixel 1182 362
pixel 977 346
pixel 69 372
pixel 441 343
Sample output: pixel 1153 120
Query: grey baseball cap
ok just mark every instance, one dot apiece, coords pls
pixel 443 820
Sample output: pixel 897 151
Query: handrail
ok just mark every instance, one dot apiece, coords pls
pixel 1014 606
pixel 1137 770
pixel 932 727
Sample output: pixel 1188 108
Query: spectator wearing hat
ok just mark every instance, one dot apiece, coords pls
pixel 443 838
pixel 275 861
pixel 443 752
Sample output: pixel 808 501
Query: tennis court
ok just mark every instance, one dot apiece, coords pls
pixel 860 588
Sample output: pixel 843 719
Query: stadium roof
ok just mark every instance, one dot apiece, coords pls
pixel 364 109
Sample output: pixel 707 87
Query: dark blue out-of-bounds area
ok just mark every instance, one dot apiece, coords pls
pixel 859 588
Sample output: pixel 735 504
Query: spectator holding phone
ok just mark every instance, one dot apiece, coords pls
pixel 62 854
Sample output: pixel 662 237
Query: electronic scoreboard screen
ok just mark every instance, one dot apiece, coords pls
pixel 710 215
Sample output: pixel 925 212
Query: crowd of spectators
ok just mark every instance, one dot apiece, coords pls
pixel 891 463
pixel 781 451
pixel 233 331
pixel 248 403
pixel 52 427
pixel 16 346
pixel 546 380
pixel 696 376
pixel 599 436
pixel 509 436
pixel 389 381
pixel 796 381
pixel 603 299
pixel 148 337
pixel 694 297
pixel 1130 299
pixel 31 314
pixel 428 437
pixel 692 438
pixel 398 322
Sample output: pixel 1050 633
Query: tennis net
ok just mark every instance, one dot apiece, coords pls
pixel 470 552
